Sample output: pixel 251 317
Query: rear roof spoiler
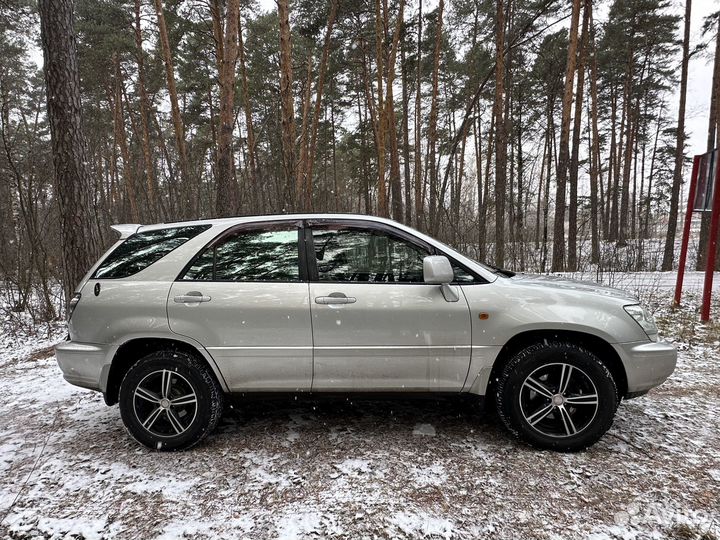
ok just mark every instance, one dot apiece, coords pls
pixel 126 229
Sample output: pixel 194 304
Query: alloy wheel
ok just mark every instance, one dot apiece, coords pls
pixel 165 403
pixel 559 400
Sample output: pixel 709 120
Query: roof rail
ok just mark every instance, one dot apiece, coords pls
pixel 126 229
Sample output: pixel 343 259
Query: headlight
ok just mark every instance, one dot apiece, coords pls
pixel 644 319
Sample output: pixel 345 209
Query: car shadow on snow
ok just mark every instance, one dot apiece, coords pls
pixel 390 418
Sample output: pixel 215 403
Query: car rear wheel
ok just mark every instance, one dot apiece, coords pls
pixel 169 400
pixel 556 396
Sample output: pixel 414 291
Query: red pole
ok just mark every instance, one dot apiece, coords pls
pixel 712 247
pixel 686 229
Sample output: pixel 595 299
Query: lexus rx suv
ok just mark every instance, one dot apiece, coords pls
pixel 175 318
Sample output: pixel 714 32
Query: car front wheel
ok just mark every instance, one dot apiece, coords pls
pixel 170 400
pixel 557 396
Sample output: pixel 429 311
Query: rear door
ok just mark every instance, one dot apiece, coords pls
pixel 245 298
pixel 376 325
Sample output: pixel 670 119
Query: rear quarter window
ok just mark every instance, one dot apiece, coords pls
pixel 142 249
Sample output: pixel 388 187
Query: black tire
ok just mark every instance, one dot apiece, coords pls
pixel 173 420
pixel 531 410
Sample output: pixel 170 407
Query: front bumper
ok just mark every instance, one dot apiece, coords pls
pixel 647 363
pixel 83 364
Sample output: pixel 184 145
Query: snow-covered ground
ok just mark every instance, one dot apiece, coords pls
pixel 365 469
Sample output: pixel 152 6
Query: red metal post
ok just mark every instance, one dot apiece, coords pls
pixel 686 229
pixel 712 248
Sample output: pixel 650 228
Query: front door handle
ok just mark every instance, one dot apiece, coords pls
pixel 335 298
pixel 193 297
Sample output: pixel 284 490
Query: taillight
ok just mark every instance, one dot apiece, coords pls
pixel 73 302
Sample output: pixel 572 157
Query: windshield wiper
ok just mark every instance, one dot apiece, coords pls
pixel 501 271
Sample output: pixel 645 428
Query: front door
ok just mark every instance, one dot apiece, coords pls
pixel 244 298
pixel 376 325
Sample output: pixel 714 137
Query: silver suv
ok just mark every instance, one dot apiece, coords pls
pixel 174 317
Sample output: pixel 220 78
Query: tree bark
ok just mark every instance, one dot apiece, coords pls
pixel 121 142
pixel 432 127
pixel 500 135
pixel 252 156
pixel 482 219
pixel 406 137
pixel 419 203
pixel 78 227
pixel 595 164
pixel 287 111
pixel 382 199
pixel 150 184
pixel 558 255
pixel 390 123
pixel 572 261
pixel 669 252
pixel 187 205
pixel 303 202
pixel 310 150
pixel 226 187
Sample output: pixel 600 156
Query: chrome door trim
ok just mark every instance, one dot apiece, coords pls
pixel 260 348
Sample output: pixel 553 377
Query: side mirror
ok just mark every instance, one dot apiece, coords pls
pixel 438 270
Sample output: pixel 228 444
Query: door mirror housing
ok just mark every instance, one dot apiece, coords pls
pixel 438 270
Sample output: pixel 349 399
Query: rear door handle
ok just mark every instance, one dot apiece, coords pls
pixel 335 300
pixel 193 297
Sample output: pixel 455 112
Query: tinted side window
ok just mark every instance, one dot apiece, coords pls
pixel 364 255
pixel 260 255
pixel 461 275
pixel 142 249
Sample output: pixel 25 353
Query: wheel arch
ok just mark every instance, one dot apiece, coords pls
pixel 132 350
pixel 595 344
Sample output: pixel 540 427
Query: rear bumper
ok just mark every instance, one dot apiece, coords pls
pixel 647 364
pixel 83 364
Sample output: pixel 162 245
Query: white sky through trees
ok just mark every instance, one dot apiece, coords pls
pixel 699 70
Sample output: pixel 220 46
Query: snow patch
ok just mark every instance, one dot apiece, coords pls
pixel 424 429
pixel 422 525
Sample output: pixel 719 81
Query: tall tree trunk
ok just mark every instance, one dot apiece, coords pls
pixel 632 123
pixel 558 255
pixel 186 190
pixel 572 260
pixel 79 235
pixel 226 188
pixel 406 137
pixel 614 185
pixel 383 208
pixel 432 126
pixel 286 97
pixel 390 123
pixel 500 134
pixel 482 218
pixel 309 161
pixel 519 219
pixel 121 142
pixel 595 163
pixel 540 188
pixel 509 204
pixel 252 167
pixel 150 184
pixel 303 203
pixel 419 203
pixel 546 204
